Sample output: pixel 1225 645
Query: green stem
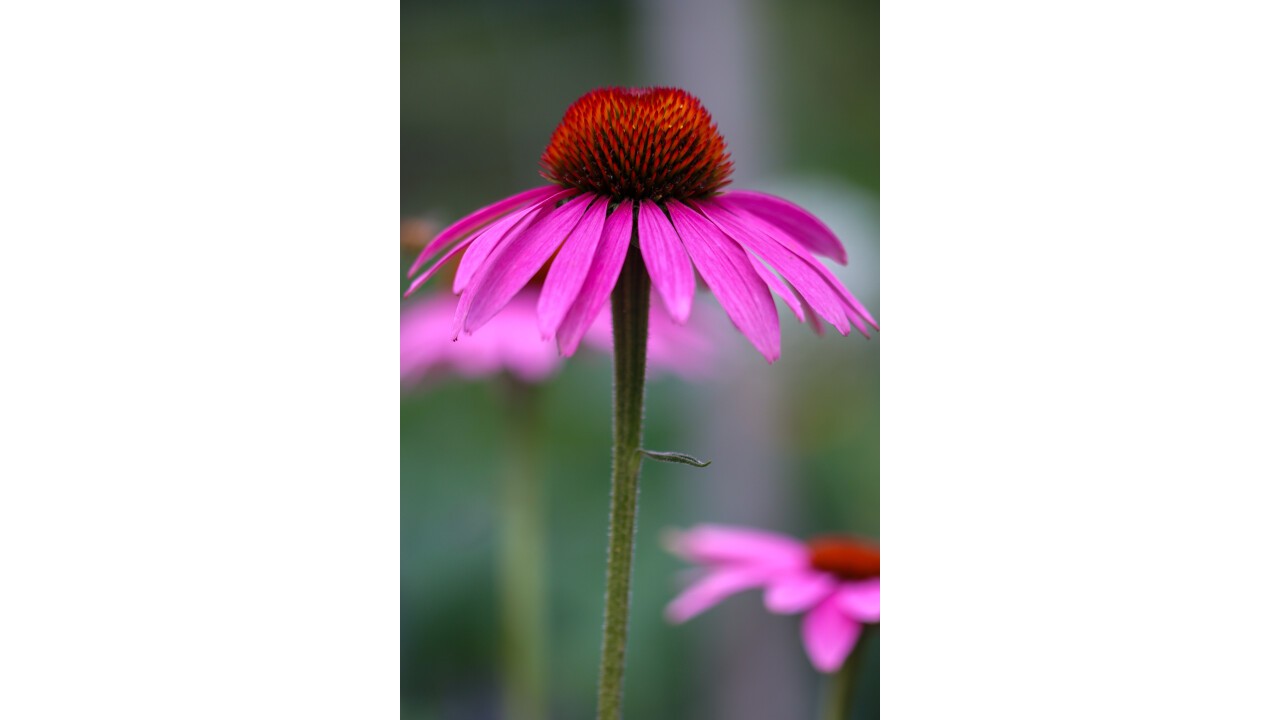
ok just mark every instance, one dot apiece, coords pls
pixel 522 563
pixel 840 689
pixel 839 703
pixel 630 340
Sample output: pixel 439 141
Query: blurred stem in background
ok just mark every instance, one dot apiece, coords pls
pixel 838 704
pixel 630 340
pixel 522 560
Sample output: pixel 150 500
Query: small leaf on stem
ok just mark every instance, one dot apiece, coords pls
pixel 675 457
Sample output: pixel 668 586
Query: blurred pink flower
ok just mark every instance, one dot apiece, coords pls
pixel 834 580
pixel 511 342
pixel 653 159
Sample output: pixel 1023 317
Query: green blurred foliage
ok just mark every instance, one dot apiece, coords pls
pixel 482 86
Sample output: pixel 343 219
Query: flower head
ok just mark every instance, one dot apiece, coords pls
pixel 646 164
pixel 651 144
pixel 834 580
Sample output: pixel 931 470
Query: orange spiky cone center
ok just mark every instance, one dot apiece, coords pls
pixel 639 144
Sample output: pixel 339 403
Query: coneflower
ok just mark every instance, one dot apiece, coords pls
pixel 647 163
pixel 833 580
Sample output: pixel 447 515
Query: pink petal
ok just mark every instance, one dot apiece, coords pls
pixel 530 366
pixel 719 544
pixel 508 343
pixel 687 350
pixel 713 588
pixel 824 300
pixel 514 263
pixel 483 244
pixel 860 600
pixel 424 335
pixel 788 241
pixel 569 269
pixel 666 260
pixel 853 309
pixel 528 357
pixel 808 229
pixel 418 281
pixel 479 219
pixel 779 287
pixel 728 273
pixel 829 635
pixel 799 591
pixel 814 321
pixel 603 275
pixel 857 307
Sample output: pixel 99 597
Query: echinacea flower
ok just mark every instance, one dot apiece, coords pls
pixel 511 343
pixel 834 580
pixel 647 163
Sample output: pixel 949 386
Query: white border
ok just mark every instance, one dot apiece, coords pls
pixel 199 481
pixel 1079 437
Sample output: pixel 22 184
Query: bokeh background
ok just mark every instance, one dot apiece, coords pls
pixel 794 87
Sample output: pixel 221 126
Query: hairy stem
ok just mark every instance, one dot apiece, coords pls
pixel 630 339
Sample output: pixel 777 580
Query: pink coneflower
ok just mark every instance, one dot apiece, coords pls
pixel 647 163
pixel 510 342
pixel 834 580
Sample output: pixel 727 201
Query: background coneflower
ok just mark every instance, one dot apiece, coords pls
pixel 833 580
pixel 510 343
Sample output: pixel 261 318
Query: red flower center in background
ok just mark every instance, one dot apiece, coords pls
pixel 850 559
pixel 638 144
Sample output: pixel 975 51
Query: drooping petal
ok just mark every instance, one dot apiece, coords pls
pixel 807 228
pixel 711 589
pixel 569 269
pixel 728 273
pixel 858 309
pixel 728 544
pixel 603 275
pixel 418 281
pixel 815 322
pixel 860 600
pixel 666 260
pixel 857 313
pixel 799 591
pixel 829 635
pixel 807 281
pixel 778 286
pixel 514 263
pixel 479 219
pixel 485 241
